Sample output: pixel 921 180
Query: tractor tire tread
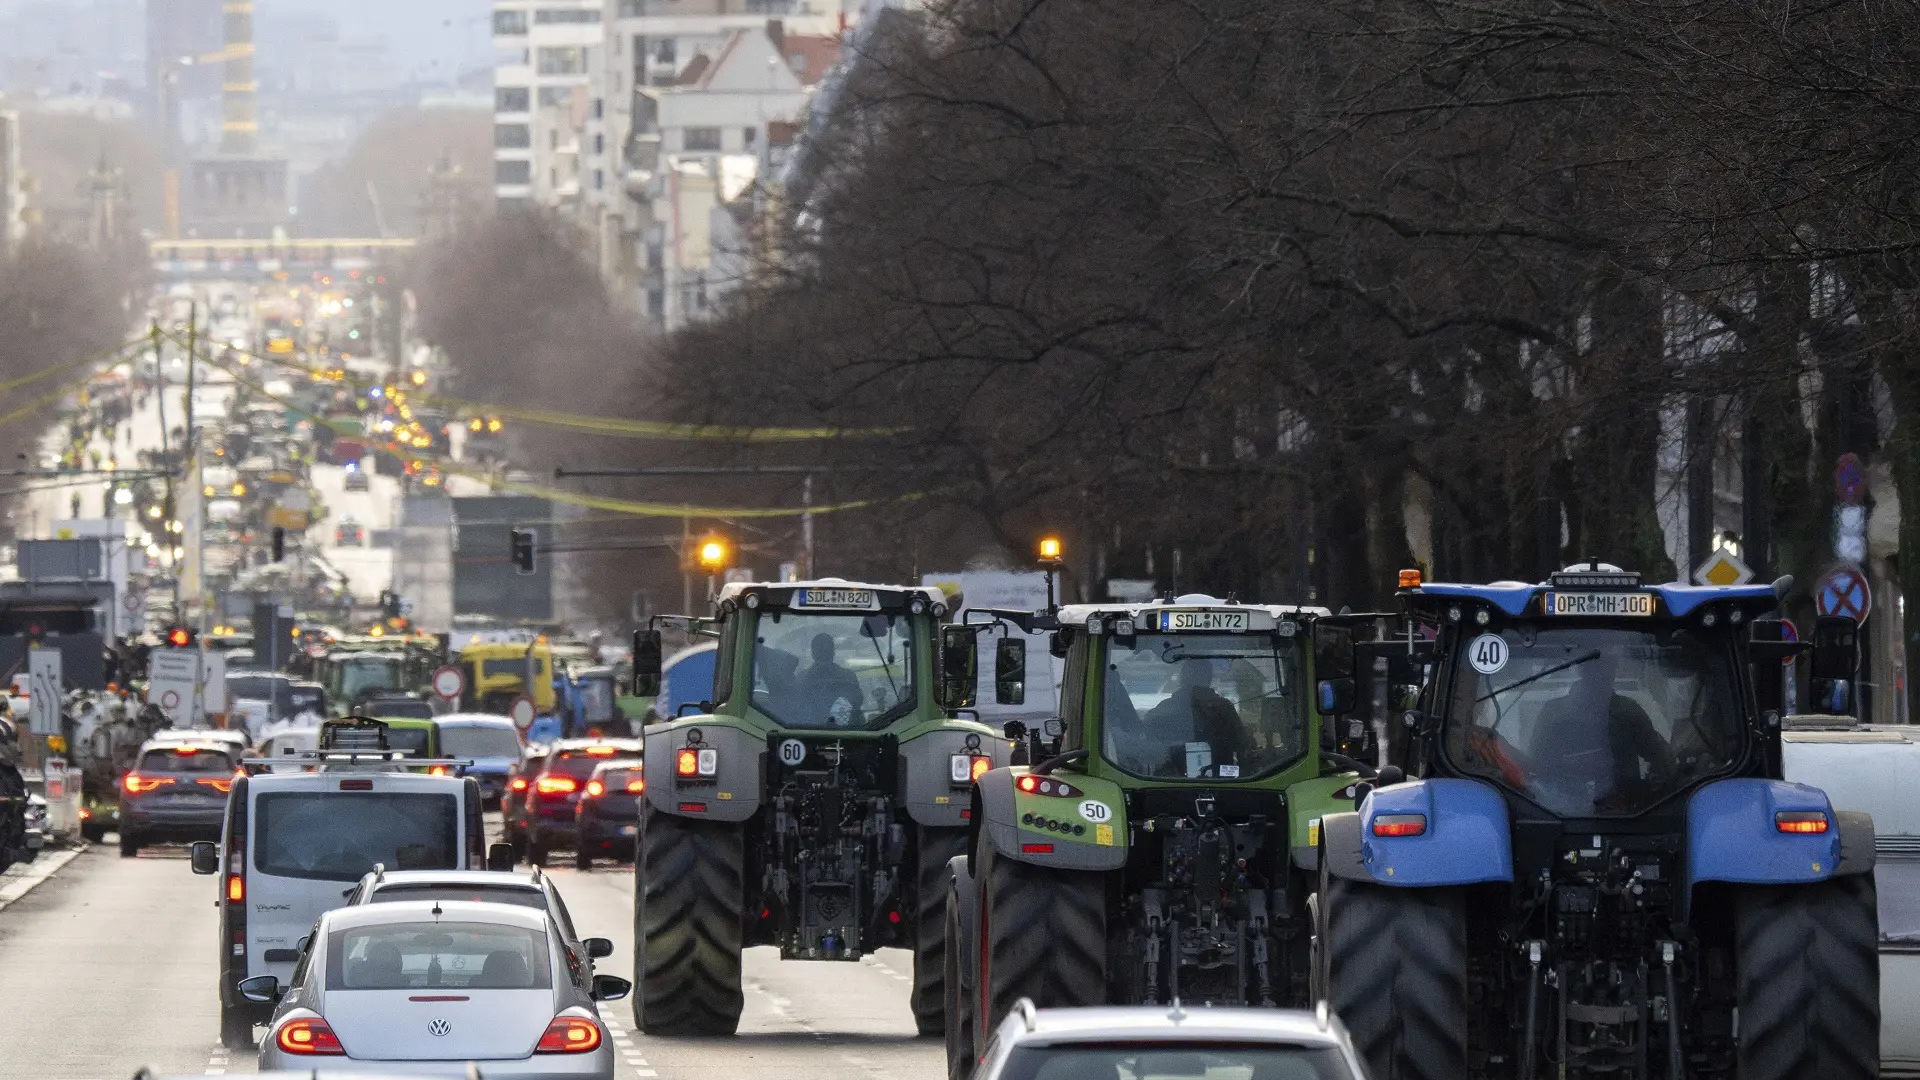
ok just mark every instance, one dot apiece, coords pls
pixel 929 997
pixel 687 966
pixel 1808 974
pixel 1397 976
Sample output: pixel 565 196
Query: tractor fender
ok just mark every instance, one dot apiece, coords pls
pixel 1465 839
pixel 964 891
pixel 1732 834
pixel 1099 810
pixel 1856 843
pixel 926 772
pixel 731 794
pixel 1340 846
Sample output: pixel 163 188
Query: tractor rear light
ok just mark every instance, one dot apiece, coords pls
pixel 595 789
pixel 569 1035
pixel 1037 849
pixel 1399 824
pixel 980 766
pixel 556 785
pixel 309 1035
pixel 709 762
pixel 1800 821
pixel 1046 785
pixel 687 762
pixel 135 783
pixel 968 768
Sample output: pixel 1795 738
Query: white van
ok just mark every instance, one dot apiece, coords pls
pixel 1873 768
pixel 294 844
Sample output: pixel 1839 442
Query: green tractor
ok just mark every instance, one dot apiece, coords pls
pixel 813 804
pixel 1158 840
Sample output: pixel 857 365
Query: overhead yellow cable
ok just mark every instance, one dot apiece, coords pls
pixel 612 426
pixel 631 507
pixel 66 386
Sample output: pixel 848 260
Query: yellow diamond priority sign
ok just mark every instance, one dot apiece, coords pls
pixel 1723 568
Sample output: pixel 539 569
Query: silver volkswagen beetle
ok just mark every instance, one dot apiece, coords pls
pixel 426 987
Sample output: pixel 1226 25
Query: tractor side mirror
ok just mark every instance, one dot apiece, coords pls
pixel 646 663
pixel 1836 657
pixel 1336 697
pixel 959 659
pixel 1010 671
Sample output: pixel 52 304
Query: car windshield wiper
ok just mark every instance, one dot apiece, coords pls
pixel 1591 654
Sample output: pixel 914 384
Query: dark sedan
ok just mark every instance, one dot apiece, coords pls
pixel 607 818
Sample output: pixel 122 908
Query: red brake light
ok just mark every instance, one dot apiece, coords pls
pixel 309 1036
pixel 1796 821
pixel 135 783
pixel 1037 849
pixel 356 785
pixel 637 785
pixel 186 751
pixel 1046 785
pixel 519 783
pixel 216 783
pixel 595 789
pixel 1399 824
pixel 687 762
pixel 437 770
pixel 556 785
pixel 600 751
pixel 569 1035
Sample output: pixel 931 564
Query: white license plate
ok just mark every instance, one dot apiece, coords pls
pixel 1231 621
pixel 629 830
pixel 858 599
pixel 1600 603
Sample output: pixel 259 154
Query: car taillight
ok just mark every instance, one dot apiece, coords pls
pixel 637 786
pixel 569 1035
pixel 595 789
pixel 308 1036
pixel 519 783
pixel 1797 821
pixel 236 888
pixel 135 783
pixel 556 785
pixel 216 783
pixel 1399 824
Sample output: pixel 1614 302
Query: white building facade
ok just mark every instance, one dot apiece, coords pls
pixel 545 53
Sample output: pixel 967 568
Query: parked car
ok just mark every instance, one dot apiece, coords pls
pixel 433 983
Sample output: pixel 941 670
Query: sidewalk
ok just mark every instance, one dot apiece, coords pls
pixel 20 878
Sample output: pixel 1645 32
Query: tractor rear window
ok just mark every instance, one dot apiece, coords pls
pixel 1203 706
pixel 1592 720
pixel 833 671
pixel 1176 1061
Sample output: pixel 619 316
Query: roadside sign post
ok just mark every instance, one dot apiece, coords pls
pixel 1722 568
pixel 44 690
pixel 173 683
pixel 521 712
pixel 448 682
pixel 1843 590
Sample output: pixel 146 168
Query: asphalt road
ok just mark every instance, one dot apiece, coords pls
pixel 109 965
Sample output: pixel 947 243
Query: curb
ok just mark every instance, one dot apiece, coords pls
pixel 38 871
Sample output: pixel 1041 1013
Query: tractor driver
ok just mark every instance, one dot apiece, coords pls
pixel 1195 713
pixel 1594 738
pixel 827 691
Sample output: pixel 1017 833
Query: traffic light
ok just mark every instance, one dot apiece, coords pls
pixel 714 554
pixel 279 543
pixel 180 637
pixel 523 551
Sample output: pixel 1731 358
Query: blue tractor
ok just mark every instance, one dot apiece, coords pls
pixel 1583 861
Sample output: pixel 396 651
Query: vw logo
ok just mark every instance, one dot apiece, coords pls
pixel 438 1027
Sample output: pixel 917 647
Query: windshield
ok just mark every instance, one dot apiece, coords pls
pixel 833 671
pixel 596 698
pixel 1176 1061
pixel 1594 721
pixel 339 835
pixel 1192 706
pixel 361 675
pixel 468 956
pixel 479 742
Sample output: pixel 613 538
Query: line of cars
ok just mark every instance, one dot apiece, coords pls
pixel 364 920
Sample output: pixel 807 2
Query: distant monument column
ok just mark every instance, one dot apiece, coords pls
pixel 240 191
pixel 239 131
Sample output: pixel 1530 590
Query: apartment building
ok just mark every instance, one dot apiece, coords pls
pixel 544 59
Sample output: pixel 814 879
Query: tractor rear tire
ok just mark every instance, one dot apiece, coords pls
pixel 1044 935
pixel 929 998
pixel 962 1055
pixel 1808 964
pixel 1396 972
pixel 687 964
